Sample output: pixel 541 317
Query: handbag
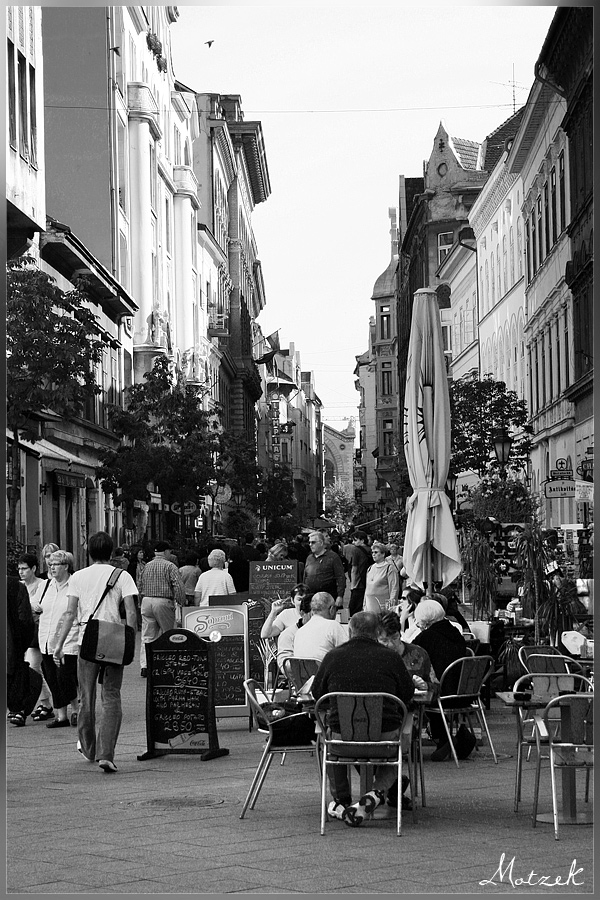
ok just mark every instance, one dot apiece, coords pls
pixel 108 643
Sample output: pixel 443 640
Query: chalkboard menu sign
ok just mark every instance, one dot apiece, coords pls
pixel 231 653
pixel 270 580
pixel 180 702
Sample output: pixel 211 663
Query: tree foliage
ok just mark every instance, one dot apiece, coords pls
pixel 339 506
pixel 53 346
pixel 170 440
pixel 479 409
pixel 276 493
pixel 507 500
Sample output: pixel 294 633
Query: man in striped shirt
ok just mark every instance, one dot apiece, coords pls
pixel 161 586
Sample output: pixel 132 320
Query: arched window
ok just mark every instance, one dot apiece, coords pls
pixel 493 279
pixel 512 256
pixel 520 247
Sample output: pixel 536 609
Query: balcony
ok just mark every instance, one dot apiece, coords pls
pixel 218 324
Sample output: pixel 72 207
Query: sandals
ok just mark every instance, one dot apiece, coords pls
pixel 17 719
pixel 41 713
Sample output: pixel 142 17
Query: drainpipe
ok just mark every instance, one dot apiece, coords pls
pixel 468 232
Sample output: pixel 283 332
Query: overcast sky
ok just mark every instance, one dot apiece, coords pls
pixel 350 98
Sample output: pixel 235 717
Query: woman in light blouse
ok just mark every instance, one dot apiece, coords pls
pixel 62 679
pixel 381 592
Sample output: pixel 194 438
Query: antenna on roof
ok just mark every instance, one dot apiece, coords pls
pixel 514 84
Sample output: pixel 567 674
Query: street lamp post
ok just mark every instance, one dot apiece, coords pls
pixel 381 505
pixel 451 489
pixel 502 446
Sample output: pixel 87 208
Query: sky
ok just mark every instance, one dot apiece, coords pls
pixel 350 98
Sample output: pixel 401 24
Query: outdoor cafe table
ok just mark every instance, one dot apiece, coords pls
pixel 570 815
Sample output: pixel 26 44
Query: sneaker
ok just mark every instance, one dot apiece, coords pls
pixel 335 810
pixel 107 765
pixel 355 814
pixel 80 750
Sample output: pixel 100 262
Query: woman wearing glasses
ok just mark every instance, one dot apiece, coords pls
pixel 62 678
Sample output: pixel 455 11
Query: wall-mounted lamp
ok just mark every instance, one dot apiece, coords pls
pixel 43 488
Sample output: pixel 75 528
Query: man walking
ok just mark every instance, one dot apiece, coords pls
pixel 161 586
pixel 359 558
pixel 85 590
pixel 323 570
pixel 362 664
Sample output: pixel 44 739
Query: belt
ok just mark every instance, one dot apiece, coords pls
pixel 153 597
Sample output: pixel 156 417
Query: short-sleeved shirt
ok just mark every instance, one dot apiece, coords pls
pixel 88 585
pixel 318 636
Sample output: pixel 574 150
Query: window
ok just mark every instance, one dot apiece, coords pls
pixel 386 379
pixel 550 366
pixel 445 241
pixel 566 345
pixel 32 119
pixel 505 263
pixel 176 146
pixel 388 437
pixel 23 117
pixel 122 164
pixel 558 359
pixel 512 255
pixel 553 203
pixel 540 234
pixel 547 218
pixel 487 287
pixel 493 278
pixel 533 245
pixel 561 190
pixel 153 175
pixel 519 247
pixel 123 261
pixel 385 324
pixel 542 344
pixel 12 96
pixel 168 225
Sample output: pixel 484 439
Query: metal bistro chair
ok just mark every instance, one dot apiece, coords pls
pixel 553 662
pixel 360 716
pixel 574 750
pixel 525 651
pixel 298 671
pixel 468 674
pixel 276 743
pixel 544 687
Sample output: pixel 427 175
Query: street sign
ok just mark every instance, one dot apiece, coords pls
pixel 188 508
pixel 587 465
pixel 555 490
pixel 561 473
pixel 584 491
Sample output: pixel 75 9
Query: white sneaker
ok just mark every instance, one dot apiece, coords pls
pixel 335 810
pixel 80 749
pixel 107 765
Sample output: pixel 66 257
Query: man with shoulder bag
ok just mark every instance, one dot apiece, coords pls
pixel 95 593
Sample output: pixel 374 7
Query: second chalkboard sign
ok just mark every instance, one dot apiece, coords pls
pixel 231 653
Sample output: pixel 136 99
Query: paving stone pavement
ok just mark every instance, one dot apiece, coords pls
pixel 171 825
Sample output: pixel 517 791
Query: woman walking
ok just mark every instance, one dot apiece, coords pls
pixel 381 592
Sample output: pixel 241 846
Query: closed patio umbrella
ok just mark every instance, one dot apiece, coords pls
pixel 431 551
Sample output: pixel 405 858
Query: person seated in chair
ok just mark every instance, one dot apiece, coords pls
pixel 322 632
pixel 419 667
pixel 444 643
pixel 362 664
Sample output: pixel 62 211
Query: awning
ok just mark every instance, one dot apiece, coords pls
pixel 44 450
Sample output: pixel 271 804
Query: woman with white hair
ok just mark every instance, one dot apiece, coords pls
pixel 444 644
pixel 214 582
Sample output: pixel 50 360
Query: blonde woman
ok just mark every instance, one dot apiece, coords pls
pixel 381 592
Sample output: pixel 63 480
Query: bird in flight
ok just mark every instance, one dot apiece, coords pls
pixel 209 42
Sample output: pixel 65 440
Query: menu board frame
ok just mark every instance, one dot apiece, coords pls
pixel 231 622
pixel 271 579
pixel 180 681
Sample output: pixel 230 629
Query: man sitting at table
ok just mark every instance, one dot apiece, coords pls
pixel 322 632
pixel 362 664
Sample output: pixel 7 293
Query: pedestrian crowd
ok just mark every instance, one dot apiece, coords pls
pixel 387 637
